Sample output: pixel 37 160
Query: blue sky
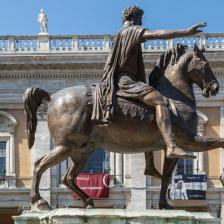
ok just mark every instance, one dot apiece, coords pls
pixel 19 17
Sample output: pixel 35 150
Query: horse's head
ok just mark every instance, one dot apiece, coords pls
pixel 201 73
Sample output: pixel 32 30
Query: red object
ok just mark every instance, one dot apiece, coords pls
pixel 96 185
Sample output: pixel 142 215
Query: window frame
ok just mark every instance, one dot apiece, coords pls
pixel 7 134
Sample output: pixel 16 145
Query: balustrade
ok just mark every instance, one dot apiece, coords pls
pixel 18 44
pixel 99 43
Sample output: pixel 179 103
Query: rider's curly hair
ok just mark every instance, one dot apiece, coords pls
pixel 131 12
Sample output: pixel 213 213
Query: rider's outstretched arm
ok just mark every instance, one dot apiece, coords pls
pixel 168 34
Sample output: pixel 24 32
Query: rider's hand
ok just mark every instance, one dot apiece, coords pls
pixel 195 28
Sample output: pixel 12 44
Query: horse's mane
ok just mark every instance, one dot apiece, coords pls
pixel 171 56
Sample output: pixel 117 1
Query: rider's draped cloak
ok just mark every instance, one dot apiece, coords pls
pixel 124 73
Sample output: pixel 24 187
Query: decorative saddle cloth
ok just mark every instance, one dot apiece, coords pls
pixel 129 108
pixel 126 107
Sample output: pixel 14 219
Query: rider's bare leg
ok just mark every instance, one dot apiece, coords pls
pixel 150 166
pixel 164 122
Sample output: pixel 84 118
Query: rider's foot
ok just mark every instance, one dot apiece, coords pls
pixel 104 122
pixel 176 152
pixel 152 171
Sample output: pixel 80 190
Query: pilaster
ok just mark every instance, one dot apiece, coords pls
pixel 138 190
pixel 41 148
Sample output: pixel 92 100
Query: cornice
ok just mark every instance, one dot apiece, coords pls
pixel 49 74
pixel 44 66
pixel 66 72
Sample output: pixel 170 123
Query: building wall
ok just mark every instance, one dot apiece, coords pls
pixel 53 71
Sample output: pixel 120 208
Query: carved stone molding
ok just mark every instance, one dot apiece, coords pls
pixel 7 122
pixel 50 75
pixel 202 121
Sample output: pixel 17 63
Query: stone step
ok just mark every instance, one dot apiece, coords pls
pixel 114 216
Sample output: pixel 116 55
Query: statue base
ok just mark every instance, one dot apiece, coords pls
pixel 114 216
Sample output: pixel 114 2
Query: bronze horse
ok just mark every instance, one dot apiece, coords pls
pixel 76 136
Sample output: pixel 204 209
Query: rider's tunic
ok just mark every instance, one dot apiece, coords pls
pixel 124 72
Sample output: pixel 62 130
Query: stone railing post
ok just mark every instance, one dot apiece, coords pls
pixel 202 42
pixel 169 43
pixel 44 43
pixel 106 45
pixel 11 46
pixel 75 43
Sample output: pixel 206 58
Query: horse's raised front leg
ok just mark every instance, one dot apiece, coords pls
pixel 75 167
pixel 168 168
pixel 56 156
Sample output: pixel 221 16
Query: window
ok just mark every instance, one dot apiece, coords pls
pixel 184 166
pixel 98 162
pixel 2 158
pixel 195 166
pixel 7 150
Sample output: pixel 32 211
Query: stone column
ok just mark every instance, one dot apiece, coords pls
pixel 222 136
pixel 112 154
pixel 138 190
pixel 119 168
pixel 124 169
pixel 42 147
pixel 201 163
pixel 222 159
pixel 198 164
pixel 12 170
pixel 201 130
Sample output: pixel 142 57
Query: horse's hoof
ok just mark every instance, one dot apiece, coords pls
pixel 34 198
pixel 89 203
pixel 43 205
pixel 165 206
pixel 178 153
pixel 89 206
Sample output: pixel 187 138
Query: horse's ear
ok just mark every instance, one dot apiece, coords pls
pixel 195 48
pixel 202 49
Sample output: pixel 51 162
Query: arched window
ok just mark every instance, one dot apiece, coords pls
pixel 7 149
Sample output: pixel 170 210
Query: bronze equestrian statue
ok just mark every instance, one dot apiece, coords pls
pixel 125 76
pixel 159 114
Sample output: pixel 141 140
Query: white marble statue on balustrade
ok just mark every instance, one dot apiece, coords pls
pixel 43 21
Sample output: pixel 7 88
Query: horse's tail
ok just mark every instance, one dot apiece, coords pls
pixel 33 98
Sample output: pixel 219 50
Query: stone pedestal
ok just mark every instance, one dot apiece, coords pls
pixel 115 216
pixel 44 42
pixel 222 213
